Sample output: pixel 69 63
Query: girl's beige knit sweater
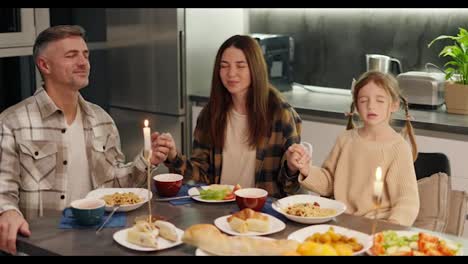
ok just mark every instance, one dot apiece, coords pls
pixel 348 175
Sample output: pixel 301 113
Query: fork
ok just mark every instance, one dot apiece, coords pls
pixel 108 218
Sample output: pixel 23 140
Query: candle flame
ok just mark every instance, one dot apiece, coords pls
pixel 146 123
pixel 378 174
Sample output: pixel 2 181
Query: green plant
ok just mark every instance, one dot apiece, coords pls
pixel 458 52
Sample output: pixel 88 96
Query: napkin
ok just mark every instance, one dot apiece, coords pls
pixel 119 219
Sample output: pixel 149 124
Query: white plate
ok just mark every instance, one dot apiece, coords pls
pixel 143 193
pixel 307 198
pixel 449 242
pixel 121 238
pixel 364 239
pixel 276 225
pixel 194 191
pixel 201 252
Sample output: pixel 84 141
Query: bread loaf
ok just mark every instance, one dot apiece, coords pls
pixel 208 238
pixel 249 220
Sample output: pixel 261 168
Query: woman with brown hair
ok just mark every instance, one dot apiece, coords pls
pixel 349 172
pixel 242 134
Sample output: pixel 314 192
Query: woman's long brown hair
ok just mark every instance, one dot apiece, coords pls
pixel 262 99
pixel 390 85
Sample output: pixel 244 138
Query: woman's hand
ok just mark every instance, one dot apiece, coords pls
pixel 298 159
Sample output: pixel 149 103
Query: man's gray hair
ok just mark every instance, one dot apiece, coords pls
pixel 56 33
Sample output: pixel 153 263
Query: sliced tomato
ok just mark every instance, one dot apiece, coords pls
pixel 229 196
pixel 444 250
pixel 432 252
pixel 428 238
pixel 377 249
pixel 378 238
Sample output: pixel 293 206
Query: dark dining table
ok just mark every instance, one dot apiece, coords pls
pixel 48 239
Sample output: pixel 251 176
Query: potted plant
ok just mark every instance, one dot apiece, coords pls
pixel 456 72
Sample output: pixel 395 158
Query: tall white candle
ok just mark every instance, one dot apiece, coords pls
pixel 147 136
pixel 378 184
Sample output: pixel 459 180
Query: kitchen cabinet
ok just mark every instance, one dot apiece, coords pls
pixel 19 28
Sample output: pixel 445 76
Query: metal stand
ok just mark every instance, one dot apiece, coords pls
pixel 377 203
pixel 148 159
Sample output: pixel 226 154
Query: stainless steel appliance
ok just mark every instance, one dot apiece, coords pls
pixel 423 89
pixel 146 69
pixel 278 51
pixel 382 63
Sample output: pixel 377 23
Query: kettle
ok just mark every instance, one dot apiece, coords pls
pixel 377 62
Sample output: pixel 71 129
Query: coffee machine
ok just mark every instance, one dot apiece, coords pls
pixel 278 51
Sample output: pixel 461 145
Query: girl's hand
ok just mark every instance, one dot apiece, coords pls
pixel 298 159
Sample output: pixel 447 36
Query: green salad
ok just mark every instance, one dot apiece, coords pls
pixel 393 243
pixel 210 194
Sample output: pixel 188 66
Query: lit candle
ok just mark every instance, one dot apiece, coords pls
pixel 378 184
pixel 147 137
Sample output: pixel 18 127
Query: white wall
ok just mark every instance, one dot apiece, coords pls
pixel 206 30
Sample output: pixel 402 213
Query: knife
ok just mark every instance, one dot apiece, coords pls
pixel 175 198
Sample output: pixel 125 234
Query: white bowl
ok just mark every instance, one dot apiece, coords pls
pixel 306 198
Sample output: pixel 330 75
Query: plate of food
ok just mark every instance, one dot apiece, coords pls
pixel 331 240
pixel 214 193
pixel 412 243
pixel 128 198
pixel 248 222
pixel 149 237
pixel 309 209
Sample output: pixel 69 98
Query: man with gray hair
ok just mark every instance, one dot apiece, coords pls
pixel 55 146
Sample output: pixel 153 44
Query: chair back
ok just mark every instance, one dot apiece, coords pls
pixel 429 163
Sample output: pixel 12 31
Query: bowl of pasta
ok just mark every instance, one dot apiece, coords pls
pixel 309 209
pixel 128 198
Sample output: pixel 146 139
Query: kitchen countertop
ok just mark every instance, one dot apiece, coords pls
pixel 332 103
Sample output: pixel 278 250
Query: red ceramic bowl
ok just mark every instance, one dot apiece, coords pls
pixel 253 198
pixel 168 184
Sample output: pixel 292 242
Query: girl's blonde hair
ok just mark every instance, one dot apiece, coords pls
pixel 390 85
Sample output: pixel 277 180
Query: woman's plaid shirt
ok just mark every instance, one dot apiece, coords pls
pixel 270 166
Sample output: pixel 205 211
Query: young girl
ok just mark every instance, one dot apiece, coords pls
pixel 348 173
